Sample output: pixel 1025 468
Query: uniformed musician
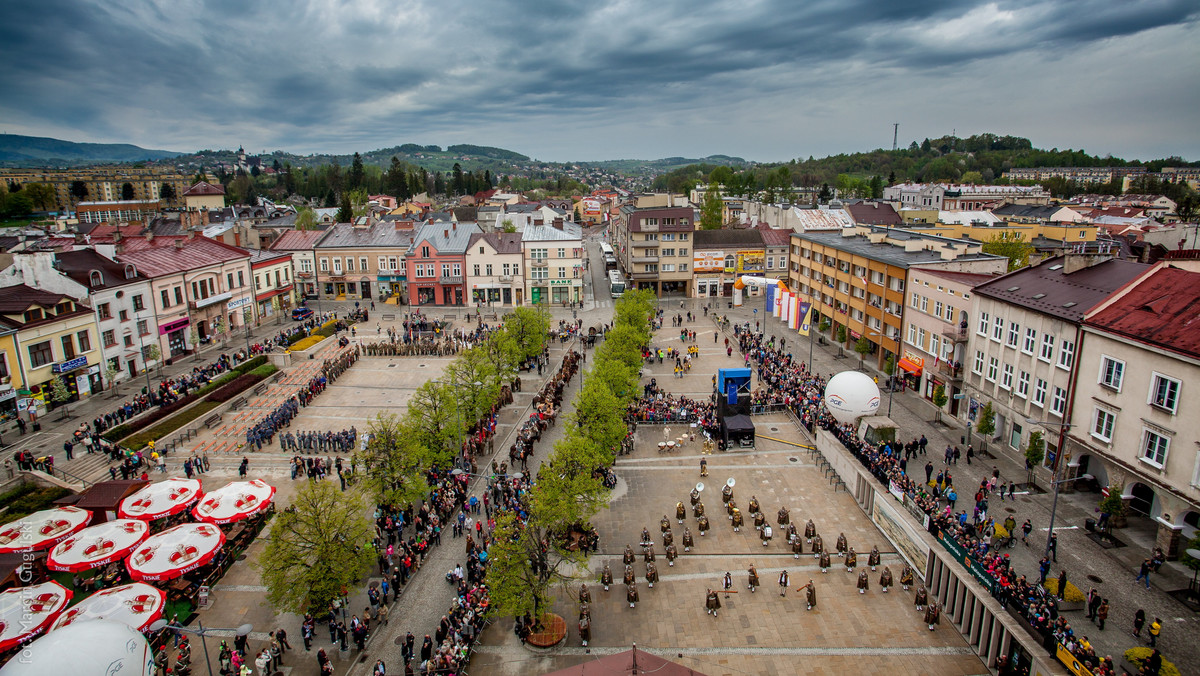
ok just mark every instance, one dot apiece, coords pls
pixel 652 574
pixel 906 576
pixel 631 595
pixel 671 554
pixel 863 583
pixel 810 530
pixel 921 599
pixel 783 517
pixel 784 580
pixel 688 540
pixel 728 582
pixel 712 603
pixel 824 562
pixel 702 525
pixel 606 577
pixel 752 580
pixel 680 511
pixel 873 558
pixel 818 545
pixel 885 579
pixel 812 595
pixel 851 560
pixel 841 544
pixel 933 615
pixel 737 519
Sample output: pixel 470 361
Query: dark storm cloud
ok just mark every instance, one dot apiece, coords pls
pixel 367 73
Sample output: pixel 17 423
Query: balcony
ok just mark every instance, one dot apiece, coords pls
pixel 642 276
pixel 450 280
pixel 644 245
pixel 957 334
pixel 539 262
pixel 505 279
pixel 644 259
pixel 950 370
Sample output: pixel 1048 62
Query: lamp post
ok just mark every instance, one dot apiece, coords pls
pixel 203 633
pixel 1055 482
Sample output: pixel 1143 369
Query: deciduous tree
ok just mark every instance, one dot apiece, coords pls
pixel 393 462
pixel 712 209
pixel 1011 245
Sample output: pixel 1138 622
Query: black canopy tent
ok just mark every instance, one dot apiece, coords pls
pixel 737 429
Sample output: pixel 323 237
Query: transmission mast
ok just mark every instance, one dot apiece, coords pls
pixel 895 133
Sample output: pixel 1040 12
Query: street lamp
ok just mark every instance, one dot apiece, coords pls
pixel 202 632
pixel 1054 480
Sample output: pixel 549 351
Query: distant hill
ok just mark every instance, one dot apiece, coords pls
pixel 27 151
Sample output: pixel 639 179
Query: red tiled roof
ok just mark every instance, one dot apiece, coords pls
pixel 161 256
pixel 1163 309
pixel 19 298
pixel 874 213
pixel 297 240
pixel 204 188
pixel 970 279
pixel 775 236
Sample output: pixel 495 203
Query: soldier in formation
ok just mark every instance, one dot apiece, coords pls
pixel 906 576
pixel 810 531
pixel 606 577
pixel 863 583
pixel 629 577
pixel 933 615
pixel 818 545
pixel 671 554
pixel 648 553
pixel 702 525
pixel 712 603
pixel 753 505
pixel 680 512
pixel 851 561
pixel 627 557
pixel 921 599
pixel 885 579
pixel 652 574
pixel 783 517
pixel 824 562
pixel 688 541
pixel 812 595
pixel 631 595
pixel 765 534
pixel 841 544
pixel 752 578
pixel 873 558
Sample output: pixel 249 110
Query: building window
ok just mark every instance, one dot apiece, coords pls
pixel 337 265
pixel 1047 354
pixel 921 338
pixel 424 252
pixel 506 270
pixel 178 295
pixel 105 312
pixel 109 338
pixel 1030 341
pixel 41 354
pixel 138 304
pixel 475 269
pixel 1039 393
pixel 1023 385
pixel 383 264
pixel 68 345
pixel 562 273
pixel 350 264
pixel 983 324
pixel 229 279
pixel 1164 393
pixel 362 264
pixel 1112 373
pixel 1058 405
pixel 993 366
pixel 912 334
pixel 924 304
pixel 445 269
pixel 85 341
pixel 457 269
pixel 166 299
pixel 488 269
pixel 1007 377
pixel 128 341
pixel 142 327
pixel 937 308
pixel 1102 424
pixel 123 315
pixel 324 265
pixel 997 329
pixel 1154 448
pixel 1066 355
pixel 1014 334
pixel 916 298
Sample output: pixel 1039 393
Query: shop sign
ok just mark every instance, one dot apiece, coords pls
pixel 750 261
pixel 708 261
pixel 8 394
pixel 69 365
pixel 171 327
pixel 211 300
pixel 240 302
pixel 919 361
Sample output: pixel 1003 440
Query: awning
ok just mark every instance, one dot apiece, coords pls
pixel 268 295
pixel 910 367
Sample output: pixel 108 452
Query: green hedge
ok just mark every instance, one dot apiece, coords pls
pixel 139 440
pixel 29 498
pixel 121 431
pixel 265 370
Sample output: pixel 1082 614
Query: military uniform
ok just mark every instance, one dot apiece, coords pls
pixel 824 559
pixel 703 525
pixel 810 530
pixel 873 558
pixel 851 561
pixel 841 544
pixel 627 558
pixel 606 577
pixel 753 505
pixel 885 579
pixel 906 577
pixel 585 596
pixel 752 578
pixel 818 545
pixel 730 508
pixel 728 582
pixel 783 517
pixel 631 595
pixel 921 599
pixel 863 583
pixel 712 603
pixel 698 509
pixel 668 538
pixel 737 519
pixel 727 493
pixel 648 554
pixel 694 496
pixel 680 512
pixel 652 574
pixel 783 583
pixel 797 546
pixel 759 519
pixel 646 537
pixel 704 464
pixel 585 628
pixel 812 595
pixel 629 578
pixel 933 615
pixel 766 535
pixel 688 541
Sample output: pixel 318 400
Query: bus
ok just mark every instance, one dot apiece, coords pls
pixel 616 285
pixel 609 256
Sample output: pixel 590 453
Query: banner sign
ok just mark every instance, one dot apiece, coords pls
pixel 970 564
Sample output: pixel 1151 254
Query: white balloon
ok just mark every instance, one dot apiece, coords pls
pixel 87 648
pixel 851 395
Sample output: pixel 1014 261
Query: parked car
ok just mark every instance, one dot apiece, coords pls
pixel 301 313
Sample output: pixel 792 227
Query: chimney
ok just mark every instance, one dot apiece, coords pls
pixel 191 235
pixel 1074 262
pixel 116 236
pixel 454 225
pixel 558 223
pixel 446 234
pixel 179 244
pixel 149 236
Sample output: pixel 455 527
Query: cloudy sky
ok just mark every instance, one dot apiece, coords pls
pixel 564 80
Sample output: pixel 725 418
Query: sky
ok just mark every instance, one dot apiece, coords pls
pixel 573 80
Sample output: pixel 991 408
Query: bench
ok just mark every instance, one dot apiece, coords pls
pixel 450 315
pixel 212 421
pixel 260 388
pixel 388 318
pixel 237 403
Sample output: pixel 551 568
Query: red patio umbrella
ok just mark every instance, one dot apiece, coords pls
pixel 161 499
pixel 175 551
pixel 27 611
pixel 137 605
pixel 235 501
pixel 98 545
pixel 42 530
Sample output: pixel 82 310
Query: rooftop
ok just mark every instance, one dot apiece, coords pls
pixel 19 298
pixel 204 188
pixel 891 253
pixel 874 213
pixel 446 238
pixel 170 255
pixel 298 240
pixel 1162 309
pixel 79 264
pixel 501 242
pixel 968 279
pixel 1048 287
pixel 715 239
pixel 378 236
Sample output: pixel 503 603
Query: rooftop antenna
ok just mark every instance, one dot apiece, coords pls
pixel 895 133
